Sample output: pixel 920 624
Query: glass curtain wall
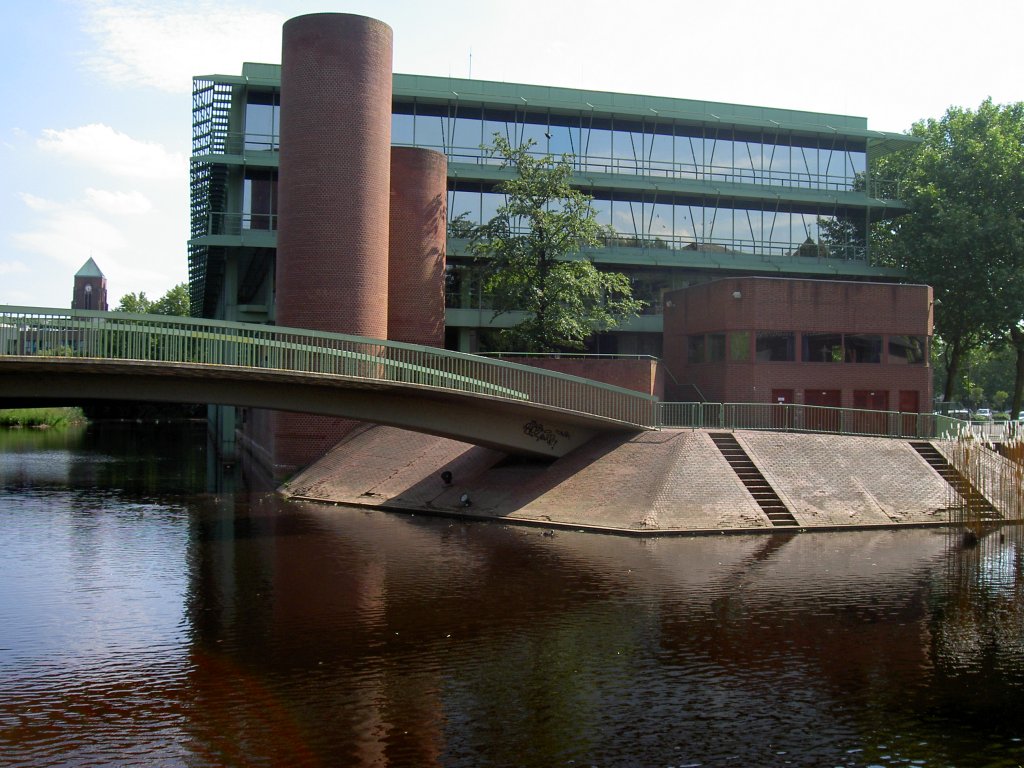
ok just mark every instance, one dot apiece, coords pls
pixel 652 147
pixel 646 221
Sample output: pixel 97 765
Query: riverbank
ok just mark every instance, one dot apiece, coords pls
pixel 40 418
pixel 653 483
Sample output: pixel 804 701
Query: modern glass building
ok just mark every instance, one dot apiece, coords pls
pixel 691 191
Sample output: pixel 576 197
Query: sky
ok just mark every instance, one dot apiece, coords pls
pixel 95 128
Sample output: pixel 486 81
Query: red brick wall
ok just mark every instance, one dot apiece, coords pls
pixel 641 374
pixel 815 306
pixel 419 183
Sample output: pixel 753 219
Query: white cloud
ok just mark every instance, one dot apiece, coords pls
pixel 162 45
pixel 13 268
pixel 68 235
pixel 118 203
pixel 104 148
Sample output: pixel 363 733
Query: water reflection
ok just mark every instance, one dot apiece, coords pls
pixel 241 629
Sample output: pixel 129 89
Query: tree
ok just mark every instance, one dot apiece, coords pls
pixel 530 252
pixel 174 302
pixel 964 234
pixel 136 303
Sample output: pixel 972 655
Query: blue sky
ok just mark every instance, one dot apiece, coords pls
pixel 95 126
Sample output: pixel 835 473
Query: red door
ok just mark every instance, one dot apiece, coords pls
pixel 870 423
pixel 910 402
pixel 821 418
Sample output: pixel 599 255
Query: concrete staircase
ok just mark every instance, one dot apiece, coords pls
pixel 756 483
pixel 972 497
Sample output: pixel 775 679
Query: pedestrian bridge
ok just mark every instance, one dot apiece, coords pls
pixel 69 356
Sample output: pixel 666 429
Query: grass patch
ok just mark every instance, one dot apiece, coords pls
pixel 41 417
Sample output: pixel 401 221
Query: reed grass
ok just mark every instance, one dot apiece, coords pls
pixel 41 418
pixel 995 474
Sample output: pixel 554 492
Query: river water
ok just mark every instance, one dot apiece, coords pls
pixel 148 618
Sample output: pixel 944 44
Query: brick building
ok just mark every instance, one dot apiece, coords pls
pixel 812 342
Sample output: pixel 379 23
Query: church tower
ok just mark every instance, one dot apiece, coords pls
pixel 90 288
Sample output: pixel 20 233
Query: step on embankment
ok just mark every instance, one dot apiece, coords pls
pixel 669 481
pixel 972 498
pixel 748 473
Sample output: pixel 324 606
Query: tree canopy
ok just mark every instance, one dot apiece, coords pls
pixel 174 302
pixel 964 235
pixel 530 252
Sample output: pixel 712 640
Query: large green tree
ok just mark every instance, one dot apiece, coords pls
pixel 965 232
pixel 531 255
pixel 174 302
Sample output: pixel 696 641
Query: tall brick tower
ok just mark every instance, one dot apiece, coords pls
pixel 90 291
pixel 332 242
pixel 332 247
pixel 419 183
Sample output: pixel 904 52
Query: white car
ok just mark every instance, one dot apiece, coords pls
pixel 983 413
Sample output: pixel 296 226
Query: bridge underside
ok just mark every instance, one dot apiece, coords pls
pixel 514 427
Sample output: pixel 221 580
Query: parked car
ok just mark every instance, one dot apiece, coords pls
pixel 983 413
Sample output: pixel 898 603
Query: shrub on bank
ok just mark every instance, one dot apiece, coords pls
pixel 41 417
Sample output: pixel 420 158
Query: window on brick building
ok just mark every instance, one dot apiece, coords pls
pixel 695 349
pixel 822 348
pixel 775 346
pixel 739 346
pixel 716 347
pixel 862 348
pixel 907 350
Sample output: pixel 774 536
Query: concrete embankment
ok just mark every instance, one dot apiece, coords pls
pixel 672 481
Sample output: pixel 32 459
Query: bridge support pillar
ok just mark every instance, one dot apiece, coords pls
pixel 221 422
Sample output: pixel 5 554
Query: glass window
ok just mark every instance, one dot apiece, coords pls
pixel 775 347
pixel 602 211
pixel 262 120
pixel 597 146
pixel 467 136
pixel 565 135
pixel 688 156
pixel 402 128
pixel 659 155
pixel 739 346
pixel 464 201
pixel 863 348
pixel 431 128
pixel 716 347
pixel 907 350
pixel 695 349
pixel 490 203
pixel 536 131
pixel 259 200
pixel 823 348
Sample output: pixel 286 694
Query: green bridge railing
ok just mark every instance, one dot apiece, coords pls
pixel 786 417
pixel 159 338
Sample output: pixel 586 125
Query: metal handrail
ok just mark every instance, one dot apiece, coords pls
pixel 124 336
pixel 789 417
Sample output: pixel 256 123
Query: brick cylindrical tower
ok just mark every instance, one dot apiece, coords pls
pixel 419 181
pixel 332 246
pixel 332 240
